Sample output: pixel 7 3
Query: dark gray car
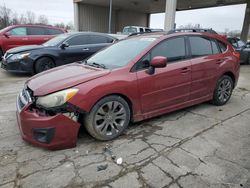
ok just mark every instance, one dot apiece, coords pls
pixel 241 47
pixel 63 49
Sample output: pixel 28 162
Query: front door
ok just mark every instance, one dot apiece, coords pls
pixel 169 86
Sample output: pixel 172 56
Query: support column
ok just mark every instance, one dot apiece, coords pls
pixel 246 24
pixel 170 14
pixel 76 16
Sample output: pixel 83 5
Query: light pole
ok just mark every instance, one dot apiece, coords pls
pixel 110 14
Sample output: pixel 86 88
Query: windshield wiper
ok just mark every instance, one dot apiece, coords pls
pixel 94 64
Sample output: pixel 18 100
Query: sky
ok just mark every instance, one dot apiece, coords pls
pixel 219 18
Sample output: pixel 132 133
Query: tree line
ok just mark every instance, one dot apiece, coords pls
pixel 9 17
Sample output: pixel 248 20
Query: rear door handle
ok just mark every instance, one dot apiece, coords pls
pixel 219 61
pixel 24 38
pixel 185 70
pixel 85 49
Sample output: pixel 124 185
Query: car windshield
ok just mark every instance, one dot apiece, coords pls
pixel 120 53
pixel 56 40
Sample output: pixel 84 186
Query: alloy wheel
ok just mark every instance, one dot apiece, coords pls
pixel 224 90
pixel 110 118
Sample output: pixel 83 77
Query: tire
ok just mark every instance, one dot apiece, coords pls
pixel 43 64
pixel 108 118
pixel 223 90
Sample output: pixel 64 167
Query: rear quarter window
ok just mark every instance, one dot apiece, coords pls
pixel 222 46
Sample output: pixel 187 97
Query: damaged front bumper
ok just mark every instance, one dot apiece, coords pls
pixel 56 131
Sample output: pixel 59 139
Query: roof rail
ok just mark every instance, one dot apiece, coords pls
pixel 199 30
pixel 140 33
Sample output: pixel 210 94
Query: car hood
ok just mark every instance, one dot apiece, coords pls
pixel 25 48
pixel 63 77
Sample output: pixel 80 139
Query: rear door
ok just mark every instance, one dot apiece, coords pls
pixel 169 87
pixel 18 37
pixel 206 60
pixel 37 35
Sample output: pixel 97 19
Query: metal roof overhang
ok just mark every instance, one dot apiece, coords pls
pixel 158 6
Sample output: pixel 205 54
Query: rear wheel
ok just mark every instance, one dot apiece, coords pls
pixel 108 118
pixel 43 64
pixel 223 90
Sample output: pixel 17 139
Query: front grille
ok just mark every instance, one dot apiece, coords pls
pixel 23 98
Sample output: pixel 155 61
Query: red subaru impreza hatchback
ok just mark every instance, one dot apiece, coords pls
pixel 134 79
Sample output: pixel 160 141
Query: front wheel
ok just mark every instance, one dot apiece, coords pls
pixel 43 64
pixel 108 118
pixel 223 90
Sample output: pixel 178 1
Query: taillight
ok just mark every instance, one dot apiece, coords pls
pixel 236 54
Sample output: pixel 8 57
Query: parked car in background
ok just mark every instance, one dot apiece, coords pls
pixel 132 80
pixel 19 35
pixel 63 49
pixel 135 29
pixel 241 47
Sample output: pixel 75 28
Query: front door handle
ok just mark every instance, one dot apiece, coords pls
pixel 185 70
pixel 85 49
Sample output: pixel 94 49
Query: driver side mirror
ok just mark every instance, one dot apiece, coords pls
pixel 64 45
pixel 7 34
pixel 157 62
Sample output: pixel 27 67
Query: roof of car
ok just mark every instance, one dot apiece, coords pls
pixel 167 34
pixel 89 33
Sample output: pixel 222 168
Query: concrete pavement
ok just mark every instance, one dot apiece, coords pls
pixel 198 147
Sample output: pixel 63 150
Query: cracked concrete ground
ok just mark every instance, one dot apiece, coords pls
pixel 198 147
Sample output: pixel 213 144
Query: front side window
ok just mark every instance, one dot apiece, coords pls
pixel 173 49
pixel 200 46
pixel 78 40
pixel 19 31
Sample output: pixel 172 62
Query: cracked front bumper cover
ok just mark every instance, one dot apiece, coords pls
pixel 37 129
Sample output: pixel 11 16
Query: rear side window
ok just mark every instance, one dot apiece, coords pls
pixel 36 31
pixel 174 49
pixel 54 31
pixel 200 46
pixel 223 46
pixel 19 31
pixel 78 40
pixel 96 39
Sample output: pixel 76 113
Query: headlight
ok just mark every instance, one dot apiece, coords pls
pixel 19 56
pixel 56 99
